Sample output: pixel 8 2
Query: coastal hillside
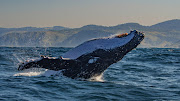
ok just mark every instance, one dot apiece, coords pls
pixel 162 35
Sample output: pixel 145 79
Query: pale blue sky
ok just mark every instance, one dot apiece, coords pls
pixel 77 13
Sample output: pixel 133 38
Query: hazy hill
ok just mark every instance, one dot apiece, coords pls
pixel 31 29
pixel 129 26
pixel 162 35
pixel 83 36
pixel 33 39
pixel 171 25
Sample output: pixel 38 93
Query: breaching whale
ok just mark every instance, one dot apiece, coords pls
pixel 91 58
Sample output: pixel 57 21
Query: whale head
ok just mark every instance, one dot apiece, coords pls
pixel 97 55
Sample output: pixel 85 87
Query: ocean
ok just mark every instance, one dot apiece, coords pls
pixel 144 74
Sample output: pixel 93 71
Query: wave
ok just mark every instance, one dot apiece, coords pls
pixel 39 72
pixel 51 73
pixel 31 72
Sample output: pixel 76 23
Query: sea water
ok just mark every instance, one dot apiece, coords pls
pixel 143 74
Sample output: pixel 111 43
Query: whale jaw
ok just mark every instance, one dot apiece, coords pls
pixel 91 58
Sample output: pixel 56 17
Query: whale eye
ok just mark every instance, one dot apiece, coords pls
pixel 122 35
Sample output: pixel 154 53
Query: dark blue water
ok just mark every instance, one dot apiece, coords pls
pixel 143 74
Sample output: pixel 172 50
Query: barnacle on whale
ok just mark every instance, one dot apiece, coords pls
pixel 121 35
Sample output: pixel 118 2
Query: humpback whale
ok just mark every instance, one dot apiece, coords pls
pixel 90 58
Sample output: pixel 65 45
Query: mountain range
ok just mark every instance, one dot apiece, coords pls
pixel 162 35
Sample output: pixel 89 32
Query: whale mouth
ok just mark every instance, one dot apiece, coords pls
pixel 141 35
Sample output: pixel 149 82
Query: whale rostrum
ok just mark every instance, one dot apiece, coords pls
pixel 90 58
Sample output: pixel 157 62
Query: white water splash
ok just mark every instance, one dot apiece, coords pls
pixel 19 59
pixel 49 73
pixel 31 72
pixel 28 74
pixel 98 78
pixel 39 72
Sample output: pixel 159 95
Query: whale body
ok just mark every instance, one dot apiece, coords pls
pixel 91 58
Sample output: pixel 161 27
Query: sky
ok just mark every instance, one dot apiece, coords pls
pixel 77 13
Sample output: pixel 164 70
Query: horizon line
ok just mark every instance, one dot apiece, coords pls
pixel 92 24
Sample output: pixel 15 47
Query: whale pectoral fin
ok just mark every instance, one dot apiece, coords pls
pixel 27 65
pixel 52 64
pixel 39 63
pixel 31 64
